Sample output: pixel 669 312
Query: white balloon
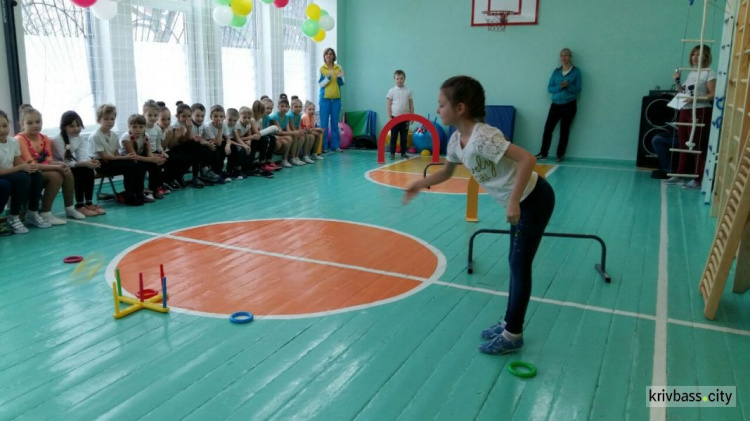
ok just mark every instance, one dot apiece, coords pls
pixel 223 15
pixel 104 9
pixel 326 22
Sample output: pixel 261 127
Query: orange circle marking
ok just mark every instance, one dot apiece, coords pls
pixel 281 267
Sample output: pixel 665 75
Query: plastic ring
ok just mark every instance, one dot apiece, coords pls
pixel 73 259
pixel 147 293
pixel 524 374
pixel 241 317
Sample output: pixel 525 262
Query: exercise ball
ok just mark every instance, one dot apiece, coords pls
pixel 426 153
pixel 346 135
pixel 422 139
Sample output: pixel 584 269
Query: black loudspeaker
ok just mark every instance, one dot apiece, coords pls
pixel 654 118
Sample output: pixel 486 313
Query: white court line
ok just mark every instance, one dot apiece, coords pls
pixel 425 281
pixel 439 269
pixel 659 370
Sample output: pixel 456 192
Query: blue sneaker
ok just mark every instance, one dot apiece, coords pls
pixel 493 331
pixel 499 345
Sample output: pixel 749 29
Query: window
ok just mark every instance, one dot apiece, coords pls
pixel 160 55
pixel 168 50
pixel 58 39
pixel 296 52
pixel 239 52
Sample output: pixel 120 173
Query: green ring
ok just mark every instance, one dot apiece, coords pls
pixel 524 374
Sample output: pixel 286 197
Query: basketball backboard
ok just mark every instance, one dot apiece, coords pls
pixel 524 12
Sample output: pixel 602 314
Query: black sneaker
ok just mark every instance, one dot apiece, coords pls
pixel 173 185
pixel 393 156
pixel 560 159
pixel 5 229
pixel 181 182
pixel 404 156
pixel 197 183
pixel 540 156
pixel 266 174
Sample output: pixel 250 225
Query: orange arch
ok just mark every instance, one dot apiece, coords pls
pixel 404 117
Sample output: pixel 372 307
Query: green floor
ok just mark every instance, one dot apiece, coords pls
pixel 63 356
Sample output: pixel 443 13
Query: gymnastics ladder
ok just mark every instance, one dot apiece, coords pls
pixel 726 242
pixel 690 143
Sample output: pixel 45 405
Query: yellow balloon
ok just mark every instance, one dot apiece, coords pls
pixel 313 11
pixel 242 7
pixel 320 36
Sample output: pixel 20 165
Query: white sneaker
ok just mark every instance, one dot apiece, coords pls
pixel 691 185
pixel 52 219
pixel 72 212
pixel 17 226
pixel 308 160
pixel 318 157
pixel 675 180
pixel 297 161
pixel 37 220
pixel 286 164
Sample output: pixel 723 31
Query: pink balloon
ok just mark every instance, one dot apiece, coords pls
pixel 83 3
pixel 280 3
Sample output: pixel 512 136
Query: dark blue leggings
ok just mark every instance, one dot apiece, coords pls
pixel 525 237
pixel 24 189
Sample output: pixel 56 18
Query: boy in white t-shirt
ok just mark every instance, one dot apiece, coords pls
pixel 399 100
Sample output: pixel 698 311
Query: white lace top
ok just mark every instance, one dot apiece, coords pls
pixel 484 156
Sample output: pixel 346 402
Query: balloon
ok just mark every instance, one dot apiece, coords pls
pixel 320 36
pixel 104 9
pixel 310 27
pixel 238 21
pixel 83 3
pixel 313 11
pixel 267 1
pixel 223 2
pixel 326 22
pixel 323 12
pixel 242 7
pixel 223 15
pixel 280 3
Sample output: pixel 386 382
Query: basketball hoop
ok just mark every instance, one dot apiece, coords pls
pixel 497 19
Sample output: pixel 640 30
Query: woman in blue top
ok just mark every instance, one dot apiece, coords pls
pixel 330 81
pixel 564 85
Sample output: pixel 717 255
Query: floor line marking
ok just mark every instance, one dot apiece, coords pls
pixel 425 281
pixel 659 370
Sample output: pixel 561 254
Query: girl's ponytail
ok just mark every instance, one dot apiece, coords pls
pixel 68 118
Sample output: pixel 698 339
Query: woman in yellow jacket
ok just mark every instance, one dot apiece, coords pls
pixel 331 80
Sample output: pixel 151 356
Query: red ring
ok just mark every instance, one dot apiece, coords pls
pixel 73 259
pixel 147 293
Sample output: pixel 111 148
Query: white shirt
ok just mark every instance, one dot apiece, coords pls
pixel 211 132
pixel 700 86
pixel 139 144
pixel 79 147
pixel 242 130
pixel 105 142
pixel 400 98
pixel 8 152
pixel 156 135
pixel 484 156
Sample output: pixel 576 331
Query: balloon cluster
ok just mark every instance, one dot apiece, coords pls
pixel 320 22
pixel 102 9
pixel 232 12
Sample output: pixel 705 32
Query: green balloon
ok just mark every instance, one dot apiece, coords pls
pixel 310 27
pixel 267 1
pixel 223 2
pixel 238 21
pixel 323 12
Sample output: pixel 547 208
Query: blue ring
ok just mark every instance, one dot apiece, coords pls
pixel 241 317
